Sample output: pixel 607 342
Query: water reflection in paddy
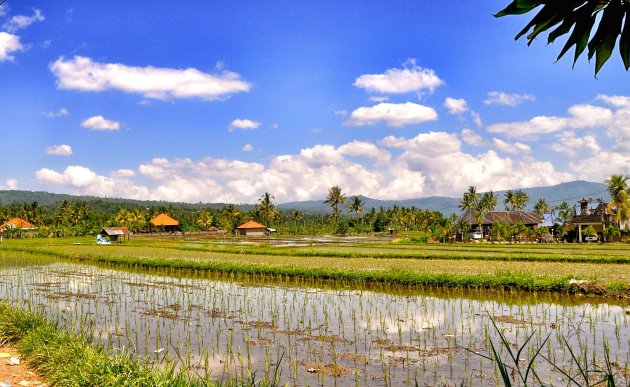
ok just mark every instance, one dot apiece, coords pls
pixel 314 333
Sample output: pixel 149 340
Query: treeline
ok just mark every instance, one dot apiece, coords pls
pixel 88 217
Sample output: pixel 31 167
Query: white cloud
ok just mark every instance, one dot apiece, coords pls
pixel 580 116
pixel 396 81
pixel 601 165
pixel 63 112
pixel 364 149
pixel 9 44
pixel 396 115
pixel 19 22
pixel 100 123
pixel 393 168
pixel 247 148
pixel 123 173
pixel 10 184
pixel 501 98
pixel 471 137
pixel 615 100
pixel 476 118
pixel 244 124
pixel 59 150
pixel 456 106
pixel 571 145
pixel 529 129
pixel 379 99
pixel 512 148
pixel 3 9
pixel 81 73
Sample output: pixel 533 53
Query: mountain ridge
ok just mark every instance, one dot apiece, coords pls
pixel 569 192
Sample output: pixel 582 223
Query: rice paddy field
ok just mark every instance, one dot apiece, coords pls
pixel 337 311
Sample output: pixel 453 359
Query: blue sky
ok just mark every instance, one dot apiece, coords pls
pixel 223 101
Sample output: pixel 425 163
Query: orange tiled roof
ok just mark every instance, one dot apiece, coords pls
pixel 251 224
pixel 16 223
pixel 164 220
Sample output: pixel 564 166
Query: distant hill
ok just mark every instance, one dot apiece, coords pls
pixel 108 205
pixel 569 192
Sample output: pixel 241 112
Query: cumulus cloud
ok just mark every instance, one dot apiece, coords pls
pixel 501 98
pixel 456 106
pixel 569 144
pixel 10 184
pixel 396 115
pixel 81 73
pixel 580 116
pixel 393 168
pixel 82 180
pixel 396 81
pixel 63 112
pixel 9 44
pixel 512 148
pixel 19 22
pixel 471 137
pixel 244 124
pixel 59 150
pixel 100 123
pixel 123 173
pixel 247 148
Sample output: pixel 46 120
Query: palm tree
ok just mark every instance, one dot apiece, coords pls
pixel 205 219
pixel 541 207
pixel 470 199
pixel 520 201
pixel 335 198
pixel 470 203
pixel 297 216
pixel 509 200
pixel 267 208
pixel 488 201
pixel 356 205
pixel 620 197
pixel 231 213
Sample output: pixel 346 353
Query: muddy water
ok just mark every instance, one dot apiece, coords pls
pixel 316 333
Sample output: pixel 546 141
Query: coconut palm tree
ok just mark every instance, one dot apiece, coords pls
pixel 520 201
pixel 334 199
pixel 231 213
pixel 356 205
pixel 487 201
pixel 267 209
pixel 541 207
pixel 297 217
pixel 620 197
pixel 470 203
pixel 205 219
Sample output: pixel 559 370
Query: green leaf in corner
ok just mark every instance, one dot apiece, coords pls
pixel 624 40
pixel 603 42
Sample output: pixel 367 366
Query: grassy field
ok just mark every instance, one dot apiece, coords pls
pixel 519 266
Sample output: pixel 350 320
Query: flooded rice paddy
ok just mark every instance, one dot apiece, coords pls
pixel 316 333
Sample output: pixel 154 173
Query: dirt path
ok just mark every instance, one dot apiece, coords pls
pixel 16 374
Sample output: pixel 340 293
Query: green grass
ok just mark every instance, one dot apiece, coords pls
pixel 472 266
pixel 66 359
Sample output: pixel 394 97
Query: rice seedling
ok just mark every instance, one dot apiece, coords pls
pixel 222 327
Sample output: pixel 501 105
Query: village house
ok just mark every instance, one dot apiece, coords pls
pixel 165 222
pixel 17 224
pixel 599 217
pixel 251 228
pixel 114 233
pixel 490 218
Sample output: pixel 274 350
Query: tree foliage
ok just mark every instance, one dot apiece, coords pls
pixel 578 18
